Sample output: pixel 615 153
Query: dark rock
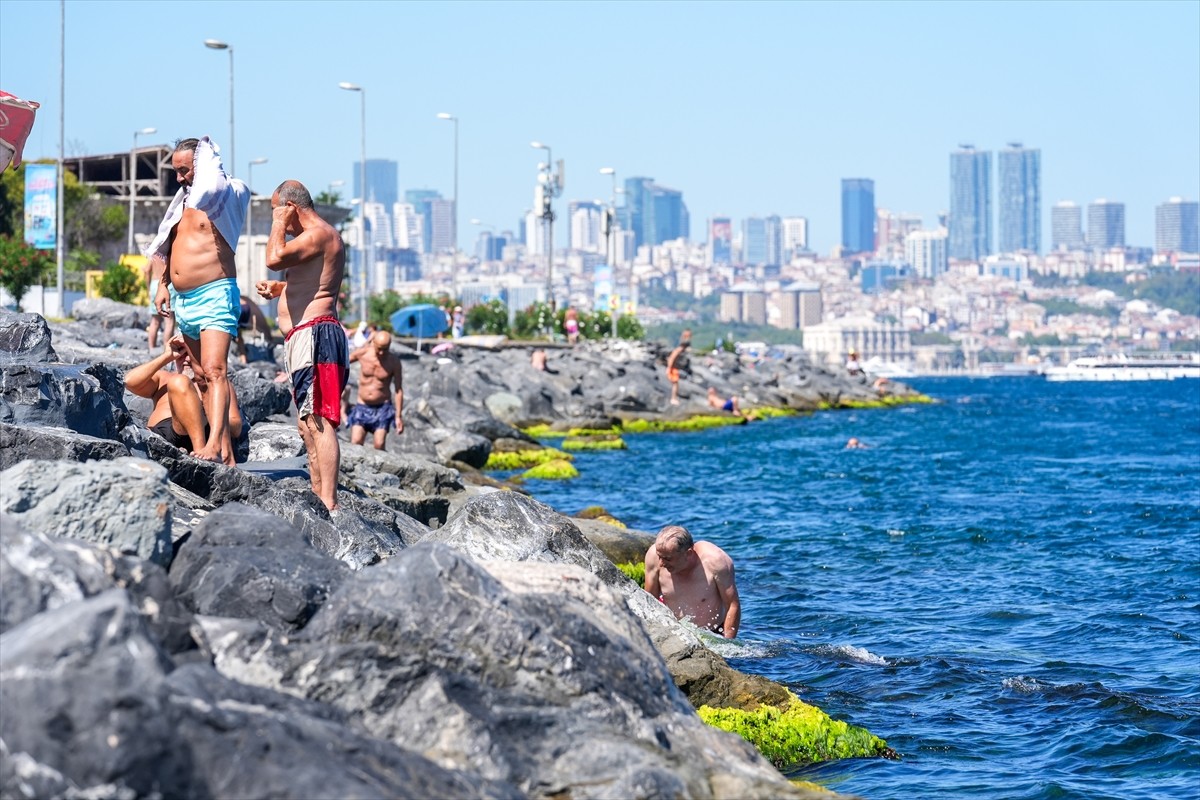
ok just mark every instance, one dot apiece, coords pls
pixel 61 396
pixel 109 314
pixel 188 510
pixel 123 504
pixel 408 472
pixel 271 441
pixel 54 444
pixel 467 448
pixel 259 398
pixel 246 563
pixel 25 338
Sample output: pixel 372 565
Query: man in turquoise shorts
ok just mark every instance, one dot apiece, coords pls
pixel 196 241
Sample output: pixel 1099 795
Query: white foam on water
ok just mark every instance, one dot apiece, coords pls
pixel 851 653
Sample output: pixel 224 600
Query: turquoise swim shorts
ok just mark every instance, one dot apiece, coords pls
pixel 213 306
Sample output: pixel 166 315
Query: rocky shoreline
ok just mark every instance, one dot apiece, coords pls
pixel 179 628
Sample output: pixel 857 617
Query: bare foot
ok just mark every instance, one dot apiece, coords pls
pixel 674 402
pixel 208 454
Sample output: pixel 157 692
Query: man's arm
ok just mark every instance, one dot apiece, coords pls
pixel 651 581
pixel 282 254
pixel 357 352
pixel 671 358
pixel 724 578
pixel 142 380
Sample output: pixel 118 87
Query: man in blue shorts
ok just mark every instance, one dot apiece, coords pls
pixel 377 411
pixel 196 241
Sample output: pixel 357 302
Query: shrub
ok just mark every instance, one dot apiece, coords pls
pixel 488 318
pixel 119 283
pixel 635 571
pixel 21 266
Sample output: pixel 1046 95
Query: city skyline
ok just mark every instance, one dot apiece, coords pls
pixel 782 121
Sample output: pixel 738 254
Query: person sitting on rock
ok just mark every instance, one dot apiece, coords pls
pixel 695 580
pixel 716 401
pixel 178 414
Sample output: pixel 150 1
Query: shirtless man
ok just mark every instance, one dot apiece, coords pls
pixel 178 414
pixel 678 361
pixel 316 351
pixel 376 411
pixel 695 580
pixel 196 243
pixel 153 271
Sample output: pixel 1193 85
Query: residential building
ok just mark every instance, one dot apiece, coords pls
pixel 754 240
pixel 799 305
pixel 745 303
pixel 970 203
pixel 795 236
pixel 1105 224
pixel 774 232
pixel 441 227
pixel 858 215
pixel 927 252
pixel 422 201
pixel 1020 199
pixel 1175 226
pixel 720 240
pixel 586 219
pixel 1066 227
pixel 408 227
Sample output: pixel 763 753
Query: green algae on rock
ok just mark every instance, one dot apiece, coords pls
pixel 600 514
pixel 606 441
pixel 798 734
pixel 521 459
pixel 697 423
pixel 558 469
pixel 635 571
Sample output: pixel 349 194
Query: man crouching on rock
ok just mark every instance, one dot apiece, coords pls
pixel 315 349
pixel 695 580
pixel 178 414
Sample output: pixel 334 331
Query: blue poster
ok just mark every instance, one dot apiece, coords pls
pixel 41 204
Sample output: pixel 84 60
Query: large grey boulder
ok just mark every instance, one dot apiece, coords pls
pixel 246 563
pixel 79 397
pixel 259 398
pixel 25 338
pixel 53 444
pixel 272 441
pixel 110 314
pixel 461 447
pixel 123 504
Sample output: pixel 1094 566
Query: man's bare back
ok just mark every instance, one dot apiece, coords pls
pixel 695 580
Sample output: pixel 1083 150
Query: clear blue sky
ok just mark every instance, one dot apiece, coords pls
pixel 748 108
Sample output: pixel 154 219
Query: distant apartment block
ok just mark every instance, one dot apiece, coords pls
pixel 407 227
pixel 383 185
pixel 970 203
pixel 799 306
pixel 422 201
pixel 858 215
pixel 891 230
pixel 1020 199
pixel 1176 226
pixel 1105 224
pixel 795 236
pixel 927 252
pixel 720 240
pixel 1066 227
pixel 754 240
pixel 655 214
pixel 442 225
pixel 587 226
pixel 744 303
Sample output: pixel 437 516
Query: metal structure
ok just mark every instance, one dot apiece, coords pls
pixel 133 184
pixel 217 44
pixel 362 208
pixel 610 239
pixel 550 185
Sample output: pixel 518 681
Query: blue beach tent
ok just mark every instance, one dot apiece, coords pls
pixel 421 321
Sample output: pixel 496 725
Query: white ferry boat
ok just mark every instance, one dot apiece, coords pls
pixel 1127 368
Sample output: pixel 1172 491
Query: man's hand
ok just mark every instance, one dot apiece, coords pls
pixel 162 300
pixel 284 214
pixel 399 423
pixel 269 290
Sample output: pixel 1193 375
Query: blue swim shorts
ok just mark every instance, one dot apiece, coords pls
pixel 213 306
pixel 372 418
pixel 153 291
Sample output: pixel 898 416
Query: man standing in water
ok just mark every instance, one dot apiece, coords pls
pixel 695 580
pixel 376 411
pixel 195 244
pixel 315 348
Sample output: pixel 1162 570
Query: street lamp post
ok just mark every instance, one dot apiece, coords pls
pixel 362 177
pixel 550 185
pixel 610 237
pixel 250 216
pixel 133 181
pixel 217 44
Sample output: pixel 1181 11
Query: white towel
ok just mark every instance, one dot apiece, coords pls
pixel 222 198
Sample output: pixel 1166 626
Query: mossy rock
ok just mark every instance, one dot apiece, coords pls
pixel 635 571
pixel 594 442
pixel 521 459
pixel 697 423
pixel 557 470
pixel 770 412
pixel 543 432
pixel 600 514
pixel 798 734
pixel 592 431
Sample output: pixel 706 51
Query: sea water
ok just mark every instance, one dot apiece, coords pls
pixel 1005 585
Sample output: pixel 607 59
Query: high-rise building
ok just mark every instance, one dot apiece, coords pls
pixel 1105 224
pixel 754 240
pixel 1066 226
pixel 422 201
pixel 383 185
pixel 970 203
pixel 587 224
pixel 774 233
pixel 653 213
pixel 408 227
pixel 926 252
pixel 720 240
pixel 858 215
pixel 795 236
pixel 441 218
pixel 1175 226
pixel 1020 198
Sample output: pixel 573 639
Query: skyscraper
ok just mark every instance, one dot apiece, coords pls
pixel 795 236
pixel 1066 226
pixel 720 240
pixel 754 240
pixel 441 225
pixel 1106 224
pixel 858 215
pixel 422 201
pixel 925 251
pixel 1020 198
pixel 1175 226
pixel 383 186
pixel 970 203
pixel 586 221
pixel 774 232
pixel 653 213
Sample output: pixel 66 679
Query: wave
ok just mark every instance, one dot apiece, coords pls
pixel 849 652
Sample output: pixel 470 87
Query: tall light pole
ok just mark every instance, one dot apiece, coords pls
pixel 610 237
pixel 362 209
pixel 454 119
pixel 217 44
pixel 250 216
pixel 548 186
pixel 133 181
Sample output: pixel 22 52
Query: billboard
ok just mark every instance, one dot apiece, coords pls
pixel 41 204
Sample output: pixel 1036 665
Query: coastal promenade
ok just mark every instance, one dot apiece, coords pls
pixel 441 635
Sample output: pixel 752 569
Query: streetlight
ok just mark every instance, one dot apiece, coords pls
pixel 454 119
pixel 250 215
pixel 362 177
pixel 217 44
pixel 610 239
pixel 548 187
pixel 133 181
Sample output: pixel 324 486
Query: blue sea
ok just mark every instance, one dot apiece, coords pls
pixel 1005 585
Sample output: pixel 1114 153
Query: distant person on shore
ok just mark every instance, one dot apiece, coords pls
pixel 178 414
pixel 316 348
pixel 695 580
pixel 377 411
pixel 716 401
pixel 457 322
pixel 677 362
pixel 571 324
pixel 153 271
pixel 853 366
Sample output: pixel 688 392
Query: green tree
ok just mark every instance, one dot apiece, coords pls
pixel 628 327
pixel 328 198
pixel 533 322
pixel 21 266
pixel 119 283
pixel 488 318
pixel 382 305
